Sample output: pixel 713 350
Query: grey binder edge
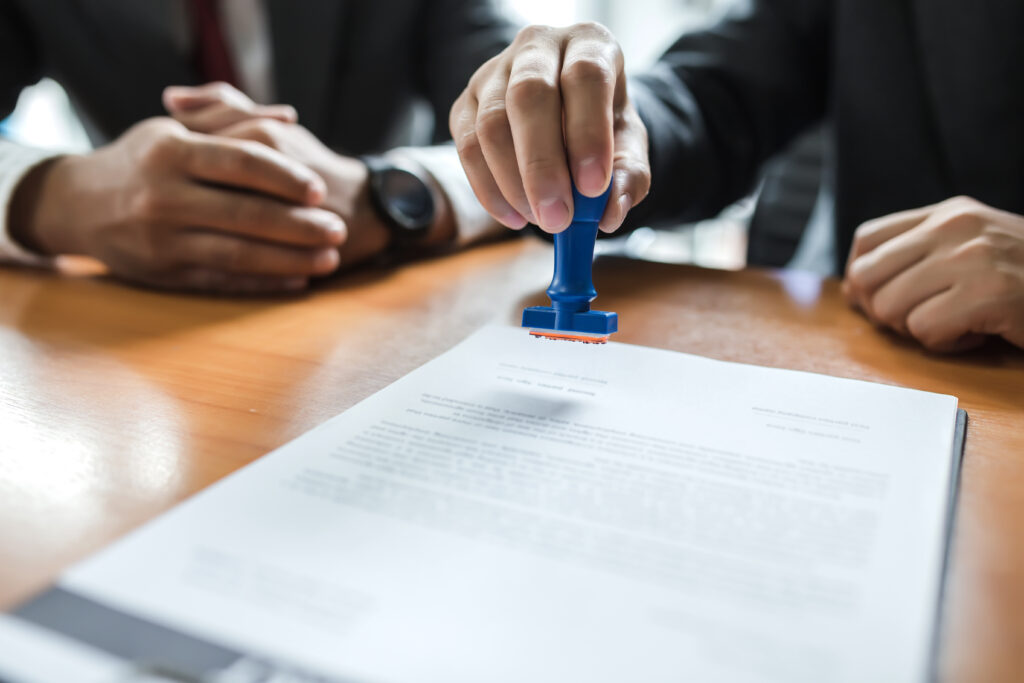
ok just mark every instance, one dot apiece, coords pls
pixel 956 463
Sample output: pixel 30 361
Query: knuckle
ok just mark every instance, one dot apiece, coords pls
pixel 541 173
pixel 244 158
pixel 221 89
pixel 855 276
pixel 165 147
pixel 159 126
pixel 886 312
pixel 462 115
pixel 543 167
pixel 999 242
pixel 150 250
pixel 865 229
pixel 148 204
pixel 963 218
pixel 643 180
pixel 267 129
pixel 588 71
pixel 634 170
pixel 962 210
pixel 468 144
pixel 591 29
pixel 455 117
pixel 530 90
pixel 249 150
pixel 483 75
pixel 255 131
pixel 923 332
pixel 857 245
pixel 492 124
pixel 962 202
pixel 981 250
pixel 637 177
pixel 534 33
pixel 990 243
pixel 1003 284
pixel 629 120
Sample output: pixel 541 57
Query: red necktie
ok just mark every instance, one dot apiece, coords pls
pixel 212 57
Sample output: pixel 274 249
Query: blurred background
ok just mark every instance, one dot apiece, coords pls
pixel 44 117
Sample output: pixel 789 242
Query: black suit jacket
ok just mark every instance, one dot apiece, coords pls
pixel 925 99
pixel 354 69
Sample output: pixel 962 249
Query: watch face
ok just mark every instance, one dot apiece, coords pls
pixel 406 199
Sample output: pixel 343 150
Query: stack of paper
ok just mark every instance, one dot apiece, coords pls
pixel 528 510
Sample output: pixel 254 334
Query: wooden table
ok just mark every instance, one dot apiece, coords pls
pixel 116 403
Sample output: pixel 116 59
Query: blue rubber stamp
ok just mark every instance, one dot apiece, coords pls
pixel 572 287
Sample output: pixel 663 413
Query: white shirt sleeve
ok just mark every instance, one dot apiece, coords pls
pixel 472 222
pixel 15 161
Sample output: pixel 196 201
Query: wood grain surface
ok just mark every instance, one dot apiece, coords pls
pixel 116 403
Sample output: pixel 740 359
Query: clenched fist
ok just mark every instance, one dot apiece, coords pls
pixel 551 107
pixel 947 275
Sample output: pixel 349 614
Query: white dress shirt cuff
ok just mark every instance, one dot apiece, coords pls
pixel 16 161
pixel 472 222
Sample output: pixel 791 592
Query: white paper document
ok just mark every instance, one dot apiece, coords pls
pixel 531 510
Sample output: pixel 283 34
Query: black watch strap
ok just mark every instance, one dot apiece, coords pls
pixel 402 200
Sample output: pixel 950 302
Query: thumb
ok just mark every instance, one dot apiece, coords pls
pixel 185 97
pixel 182 98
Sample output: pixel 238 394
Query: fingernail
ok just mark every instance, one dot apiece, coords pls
pixel 170 96
pixel 554 214
pixel 513 219
pixel 590 177
pixel 328 220
pixel 282 112
pixel 316 190
pixel 622 207
pixel 326 260
pixel 176 90
pixel 334 226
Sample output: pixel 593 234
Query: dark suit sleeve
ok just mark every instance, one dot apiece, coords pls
pixel 458 36
pixel 720 102
pixel 19 59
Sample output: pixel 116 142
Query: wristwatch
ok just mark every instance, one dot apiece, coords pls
pixel 403 201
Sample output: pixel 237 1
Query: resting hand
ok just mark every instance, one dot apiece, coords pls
pixel 947 275
pixel 220 109
pixel 169 208
pixel 552 106
pixel 347 181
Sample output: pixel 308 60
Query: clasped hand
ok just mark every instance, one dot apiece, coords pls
pixel 225 196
